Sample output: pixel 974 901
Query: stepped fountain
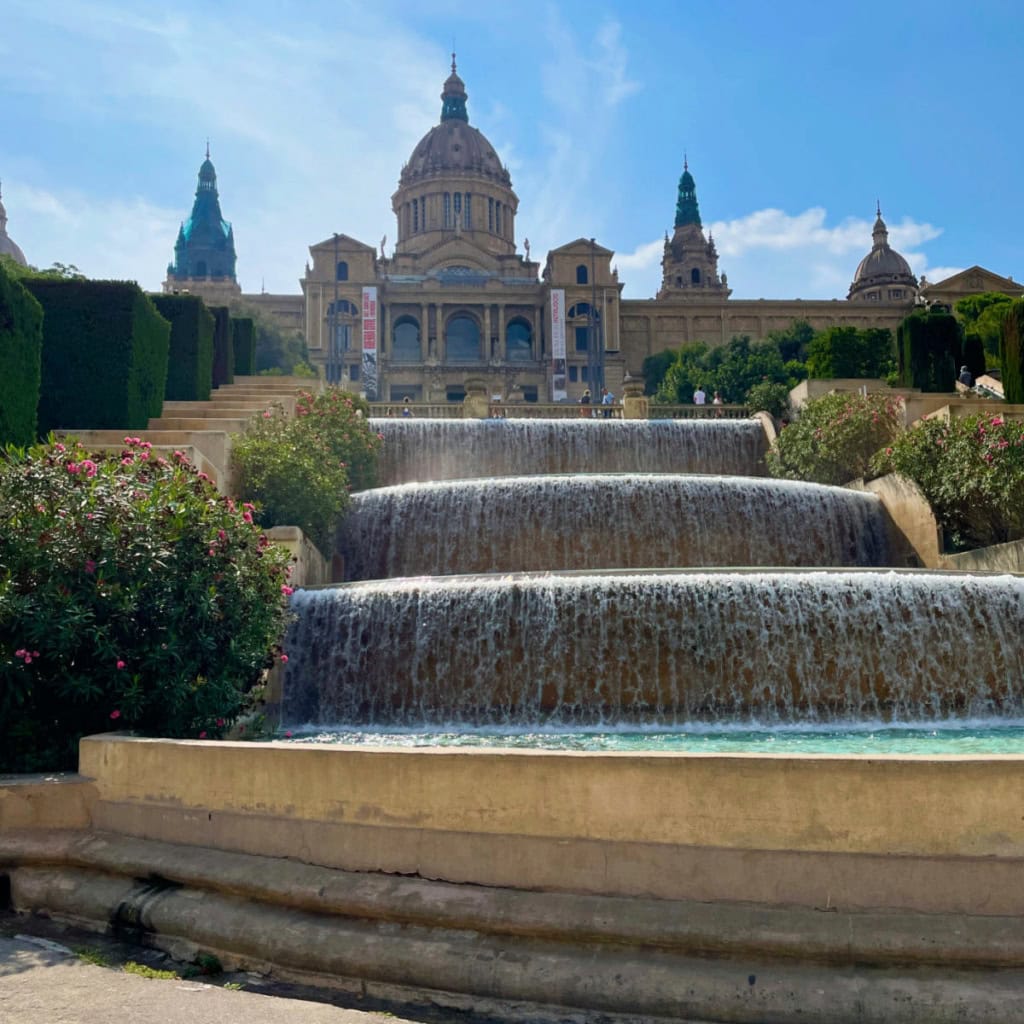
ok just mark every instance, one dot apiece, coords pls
pixel 518 592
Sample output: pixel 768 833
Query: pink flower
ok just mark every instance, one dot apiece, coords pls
pixel 202 735
pixel 220 723
pixel 284 659
pixel 211 552
pixel 247 516
pixel 266 415
pixel 89 467
pixel 90 566
pixel 288 735
pixel 126 461
pixel 115 714
pixel 59 447
pixel 121 665
pixel 286 590
pixel 72 468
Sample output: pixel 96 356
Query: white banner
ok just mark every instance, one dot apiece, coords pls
pixel 369 374
pixel 558 392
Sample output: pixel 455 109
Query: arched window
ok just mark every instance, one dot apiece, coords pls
pixel 415 215
pixel 447 209
pixel 341 271
pixel 581 274
pixel 519 339
pixel 584 324
pixel 679 281
pixel 462 340
pixel 695 276
pixel 467 212
pixel 405 340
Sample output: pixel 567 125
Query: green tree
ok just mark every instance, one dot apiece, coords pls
pixel 982 316
pixel 654 369
pixel 793 341
pixel 276 348
pixel 851 352
pixel 57 272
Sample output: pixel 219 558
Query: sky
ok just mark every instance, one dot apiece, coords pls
pixel 795 117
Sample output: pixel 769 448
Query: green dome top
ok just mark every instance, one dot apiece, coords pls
pixel 687 210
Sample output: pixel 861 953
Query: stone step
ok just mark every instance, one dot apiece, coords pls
pixel 230 425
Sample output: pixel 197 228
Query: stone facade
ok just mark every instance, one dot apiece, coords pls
pixel 456 299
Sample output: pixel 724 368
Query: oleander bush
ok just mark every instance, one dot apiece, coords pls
pixel 132 595
pixel 972 473
pixel 21 340
pixel 300 470
pixel 835 438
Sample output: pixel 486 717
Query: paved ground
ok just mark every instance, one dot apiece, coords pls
pixel 41 985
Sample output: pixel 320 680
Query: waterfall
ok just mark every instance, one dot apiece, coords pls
pixel 628 521
pixel 579 649
pixel 424 450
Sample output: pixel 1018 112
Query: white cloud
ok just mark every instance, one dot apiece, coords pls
pixel 773 254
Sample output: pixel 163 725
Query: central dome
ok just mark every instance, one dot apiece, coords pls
pixel 453 147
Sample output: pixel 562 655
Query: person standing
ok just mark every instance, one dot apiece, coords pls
pixel 607 398
pixel 585 402
pixel 699 397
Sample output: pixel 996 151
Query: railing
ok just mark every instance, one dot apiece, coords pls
pixel 698 412
pixel 419 410
pixel 554 411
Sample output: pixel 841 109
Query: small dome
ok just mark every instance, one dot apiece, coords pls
pixel 206 171
pixel 882 266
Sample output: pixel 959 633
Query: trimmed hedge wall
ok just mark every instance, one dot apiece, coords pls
pixel 190 367
pixel 243 337
pixel 105 350
pixel 928 345
pixel 1011 352
pixel 21 343
pixel 223 350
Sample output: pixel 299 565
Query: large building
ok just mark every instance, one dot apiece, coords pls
pixel 457 299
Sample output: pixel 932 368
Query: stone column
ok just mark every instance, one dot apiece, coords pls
pixel 487 331
pixel 502 354
pixel 384 341
pixel 439 329
pixel 538 333
pixel 634 401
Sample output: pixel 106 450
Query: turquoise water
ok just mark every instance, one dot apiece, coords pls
pixel 949 737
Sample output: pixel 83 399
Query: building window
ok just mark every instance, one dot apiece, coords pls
pixel 353 372
pixel 895 293
pixel 695 276
pixel 574 374
pixel 462 340
pixel 519 339
pixel 415 215
pixel 679 282
pixel 581 274
pixel 458 208
pixel 405 340
pixel 585 374
pixel 582 339
pixel 455 393
pixel 447 209
pixel 341 271
pixel 468 212
pixel 529 392
pixel 497 218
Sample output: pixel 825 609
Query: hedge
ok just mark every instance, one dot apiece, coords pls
pixel 190 367
pixel 929 346
pixel 223 351
pixel 243 337
pixel 104 360
pixel 21 342
pixel 1011 352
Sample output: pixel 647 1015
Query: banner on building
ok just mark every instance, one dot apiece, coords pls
pixel 558 392
pixel 369 369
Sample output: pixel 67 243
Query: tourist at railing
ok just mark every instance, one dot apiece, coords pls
pixel 585 403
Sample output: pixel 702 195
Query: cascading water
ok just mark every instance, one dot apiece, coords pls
pixel 549 636
pixel 579 649
pixel 425 450
pixel 553 523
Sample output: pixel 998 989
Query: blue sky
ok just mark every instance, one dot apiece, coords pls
pixel 795 118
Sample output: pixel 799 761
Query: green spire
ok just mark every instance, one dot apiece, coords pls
pixel 687 211
pixel 453 98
